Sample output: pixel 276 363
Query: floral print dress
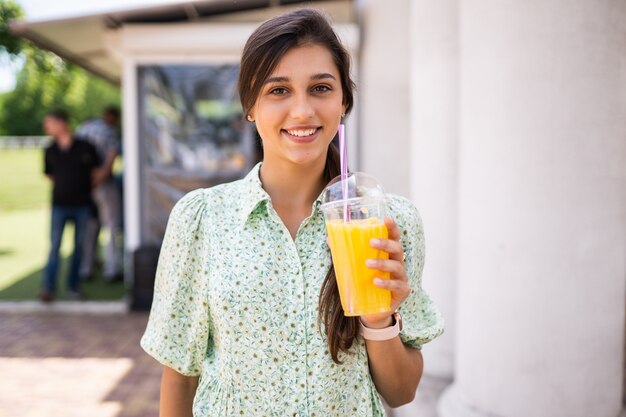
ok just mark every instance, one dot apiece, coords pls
pixel 236 303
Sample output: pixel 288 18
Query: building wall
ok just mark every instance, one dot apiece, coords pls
pixel 384 92
pixel 542 209
pixel 434 136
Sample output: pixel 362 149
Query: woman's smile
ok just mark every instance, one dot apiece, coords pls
pixel 302 134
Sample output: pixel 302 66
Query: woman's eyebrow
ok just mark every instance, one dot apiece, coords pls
pixel 276 80
pixel 323 76
pixel 281 79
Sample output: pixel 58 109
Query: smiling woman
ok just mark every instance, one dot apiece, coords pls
pixel 246 317
pixel 299 105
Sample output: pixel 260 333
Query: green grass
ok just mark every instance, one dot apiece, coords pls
pixel 25 231
pixel 23 185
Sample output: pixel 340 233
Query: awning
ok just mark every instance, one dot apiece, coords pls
pixel 81 40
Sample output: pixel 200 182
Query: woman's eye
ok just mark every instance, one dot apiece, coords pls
pixel 278 91
pixel 321 88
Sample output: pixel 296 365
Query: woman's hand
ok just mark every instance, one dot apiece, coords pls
pixel 398 283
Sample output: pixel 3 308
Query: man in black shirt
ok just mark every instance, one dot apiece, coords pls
pixel 70 163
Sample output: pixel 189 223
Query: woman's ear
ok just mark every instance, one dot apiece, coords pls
pixel 250 116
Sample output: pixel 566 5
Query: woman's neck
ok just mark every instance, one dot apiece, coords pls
pixel 292 185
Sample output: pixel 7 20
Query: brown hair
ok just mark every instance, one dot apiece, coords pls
pixel 261 54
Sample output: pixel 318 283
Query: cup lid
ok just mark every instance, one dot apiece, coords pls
pixel 360 186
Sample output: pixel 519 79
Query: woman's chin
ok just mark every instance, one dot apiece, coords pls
pixel 305 157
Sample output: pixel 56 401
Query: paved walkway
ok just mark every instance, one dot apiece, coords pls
pixel 66 364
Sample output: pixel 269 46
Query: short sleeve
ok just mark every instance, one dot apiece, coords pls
pixel 111 142
pixel 421 320
pixel 177 334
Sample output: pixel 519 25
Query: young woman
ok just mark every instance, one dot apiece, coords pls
pixel 246 316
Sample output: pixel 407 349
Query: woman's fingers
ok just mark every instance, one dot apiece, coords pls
pixel 392 247
pixel 388 265
pixel 393 285
pixel 398 283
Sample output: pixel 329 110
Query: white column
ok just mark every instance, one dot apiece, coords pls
pixel 130 142
pixel 433 151
pixel 542 203
pixel 384 92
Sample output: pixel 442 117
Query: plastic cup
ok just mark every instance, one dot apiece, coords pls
pixel 351 222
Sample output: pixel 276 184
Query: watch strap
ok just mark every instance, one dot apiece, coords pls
pixel 385 333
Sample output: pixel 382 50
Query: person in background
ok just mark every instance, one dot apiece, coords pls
pixel 102 133
pixel 71 165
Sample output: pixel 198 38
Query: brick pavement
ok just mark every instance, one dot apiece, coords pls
pixel 66 365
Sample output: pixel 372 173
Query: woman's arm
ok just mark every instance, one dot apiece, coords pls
pixel 177 393
pixel 395 368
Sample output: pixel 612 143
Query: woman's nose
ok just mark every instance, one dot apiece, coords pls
pixel 302 107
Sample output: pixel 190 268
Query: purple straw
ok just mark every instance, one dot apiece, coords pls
pixel 343 158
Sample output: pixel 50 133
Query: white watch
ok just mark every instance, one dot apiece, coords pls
pixel 385 333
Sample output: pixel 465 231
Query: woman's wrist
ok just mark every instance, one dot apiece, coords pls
pixel 389 329
pixel 377 323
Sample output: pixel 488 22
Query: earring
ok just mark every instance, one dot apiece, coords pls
pixel 343 115
pixel 249 118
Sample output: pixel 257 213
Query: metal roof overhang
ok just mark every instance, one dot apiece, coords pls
pixel 81 39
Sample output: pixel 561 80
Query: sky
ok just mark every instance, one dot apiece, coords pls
pixel 47 9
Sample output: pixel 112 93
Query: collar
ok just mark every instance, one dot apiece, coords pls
pixel 253 194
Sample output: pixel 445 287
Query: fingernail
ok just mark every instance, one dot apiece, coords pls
pixel 374 241
pixel 370 262
pixel 378 281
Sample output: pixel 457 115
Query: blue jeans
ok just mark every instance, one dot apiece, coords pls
pixel 79 215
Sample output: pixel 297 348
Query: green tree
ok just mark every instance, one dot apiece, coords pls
pixel 9 44
pixel 45 82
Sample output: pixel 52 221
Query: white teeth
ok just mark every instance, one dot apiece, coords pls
pixel 301 133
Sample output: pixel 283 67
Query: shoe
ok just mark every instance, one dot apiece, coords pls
pixel 75 295
pixel 45 296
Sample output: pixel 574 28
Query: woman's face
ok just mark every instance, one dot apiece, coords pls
pixel 300 105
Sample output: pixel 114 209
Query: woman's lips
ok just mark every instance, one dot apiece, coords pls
pixel 302 139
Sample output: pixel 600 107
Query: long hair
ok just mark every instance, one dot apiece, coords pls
pixel 261 54
pixel 340 330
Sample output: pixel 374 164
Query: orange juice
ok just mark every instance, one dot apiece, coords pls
pixel 350 247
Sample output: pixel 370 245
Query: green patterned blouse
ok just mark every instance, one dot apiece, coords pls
pixel 236 301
